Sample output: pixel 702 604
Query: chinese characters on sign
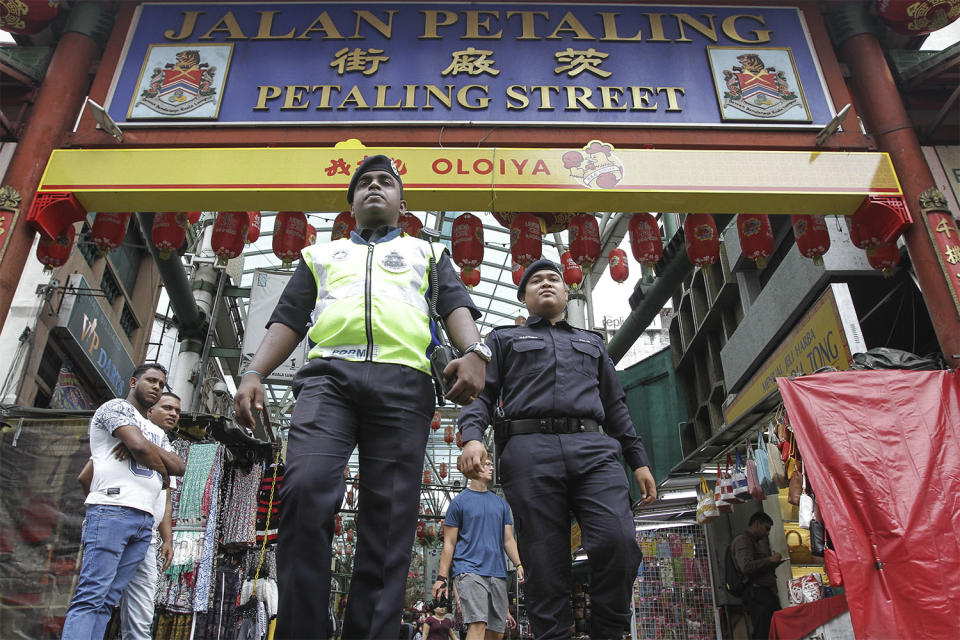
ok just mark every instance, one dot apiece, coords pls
pixel 946 238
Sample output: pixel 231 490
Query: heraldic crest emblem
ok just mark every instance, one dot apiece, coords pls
pixel 182 80
pixel 757 88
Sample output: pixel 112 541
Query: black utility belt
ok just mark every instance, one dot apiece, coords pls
pixel 524 426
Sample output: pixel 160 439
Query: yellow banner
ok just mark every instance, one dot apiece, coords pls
pixel 827 336
pixel 595 177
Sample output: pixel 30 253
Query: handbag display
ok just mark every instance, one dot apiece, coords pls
pixel 741 488
pixel 832 563
pixel 753 480
pixel 721 490
pixel 817 538
pixel 806 588
pixel 778 472
pixel 706 507
pixel 763 467
pixel 799 552
pixel 796 485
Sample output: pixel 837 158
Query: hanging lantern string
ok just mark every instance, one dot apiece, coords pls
pixel 266 529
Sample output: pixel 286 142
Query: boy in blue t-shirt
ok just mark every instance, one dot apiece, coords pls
pixel 478 529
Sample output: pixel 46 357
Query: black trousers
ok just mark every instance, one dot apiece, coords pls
pixel 546 476
pixel 385 411
pixel 761 602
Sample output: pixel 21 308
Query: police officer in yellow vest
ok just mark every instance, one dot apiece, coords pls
pixel 363 302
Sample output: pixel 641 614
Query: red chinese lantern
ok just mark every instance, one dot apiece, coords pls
pixel 337 524
pixel 348 550
pixel 516 272
pixel 702 239
pixel 435 422
pixel 350 535
pixel 343 224
pixel 584 239
pixel 421 529
pixel 168 232
pixel 410 225
pixel 917 17
pixel 339 549
pixel 253 229
pixel 572 273
pixel 27 17
pixel 812 236
pixel 54 252
pixel 470 277
pixel 109 230
pixel 229 234
pixel 311 236
pixel 346 473
pixel 350 497
pixel 443 470
pixel 884 257
pixel 448 435
pixel 193 217
pixel 645 242
pixel 289 235
pixel 619 269
pixel 466 240
pixel 459 439
pixel 427 477
pixel 525 243
pixel 879 220
pixel 756 237
pixel 549 222
pixel 431 529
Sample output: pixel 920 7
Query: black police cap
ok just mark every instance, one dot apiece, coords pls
pixel 374 163
pixel 539 265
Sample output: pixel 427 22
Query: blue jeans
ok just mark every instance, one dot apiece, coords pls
pixel 115 541
pixel 136 606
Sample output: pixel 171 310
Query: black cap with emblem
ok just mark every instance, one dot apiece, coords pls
pixel 374 163
pixel 539 265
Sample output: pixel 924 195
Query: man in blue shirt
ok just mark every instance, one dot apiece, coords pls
pixel 477 530
pixel 559 444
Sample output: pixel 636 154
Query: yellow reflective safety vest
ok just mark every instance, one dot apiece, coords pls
pixel 371 300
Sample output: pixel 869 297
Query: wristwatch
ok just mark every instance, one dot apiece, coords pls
pixel 481 350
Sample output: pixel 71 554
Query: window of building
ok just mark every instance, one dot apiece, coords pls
pixel 47 373
pixel 109 286
pixel 87 249
pixel 126 258
pixel 128 322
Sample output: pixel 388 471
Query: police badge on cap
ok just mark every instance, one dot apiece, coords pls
pixel 374 163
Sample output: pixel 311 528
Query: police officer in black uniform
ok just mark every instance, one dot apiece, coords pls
pixel 565 425
pixel 363 302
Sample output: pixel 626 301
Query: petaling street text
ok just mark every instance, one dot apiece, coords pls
pixel 471 96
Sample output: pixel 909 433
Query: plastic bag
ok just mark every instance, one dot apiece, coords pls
pixel 706 507
pixel 807 588
pixel 805 506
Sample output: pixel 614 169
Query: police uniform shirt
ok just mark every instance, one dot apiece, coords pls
pixel 300 295
pixel 544 370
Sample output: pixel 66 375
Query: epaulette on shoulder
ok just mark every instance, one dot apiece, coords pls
pixel 506 326
pixel 603 339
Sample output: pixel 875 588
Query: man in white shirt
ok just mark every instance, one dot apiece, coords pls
pixel 119 522
pixel 137 605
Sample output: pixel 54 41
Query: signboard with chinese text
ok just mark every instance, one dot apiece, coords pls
pixel 827 336
pixel 95 340
pixel 477 63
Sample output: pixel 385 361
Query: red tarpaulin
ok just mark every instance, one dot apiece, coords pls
pixel 882 451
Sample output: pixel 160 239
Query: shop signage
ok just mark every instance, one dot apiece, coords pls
pixel 945 237
pixel 95 344
pixel 827 336
pixel 476 63
pixel 265 292
pixel 593 177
